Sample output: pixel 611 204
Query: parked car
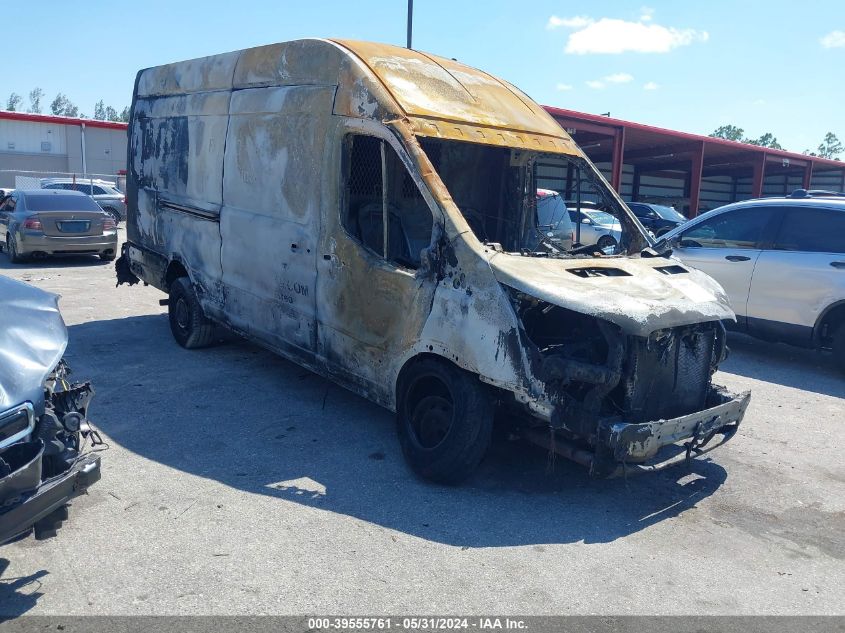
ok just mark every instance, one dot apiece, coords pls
pixel 398 255
pixel 45 435
pixel 657 218
pixel 781 262
pixel 105 193
pixel 39 222
pixel 597 225
pixel 553 219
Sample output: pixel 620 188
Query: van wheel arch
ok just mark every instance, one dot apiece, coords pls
pixel 175 270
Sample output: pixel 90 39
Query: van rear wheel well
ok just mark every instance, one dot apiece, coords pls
pixel 175 270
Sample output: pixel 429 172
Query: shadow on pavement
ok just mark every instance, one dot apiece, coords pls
pixel 253 421
pixel 782 364
pixel 50 263
pixel 18 595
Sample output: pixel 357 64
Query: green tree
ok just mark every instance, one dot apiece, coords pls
pixel 124 115
pixel 111 114
pixel 729 132
pixel 830 147
pixel 767 140
pixel 63 106
pixel 13 102
pixel 35 100
pixel 100 110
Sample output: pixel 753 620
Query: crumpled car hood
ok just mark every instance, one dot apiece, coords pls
pixel 640 302
pixel 33 338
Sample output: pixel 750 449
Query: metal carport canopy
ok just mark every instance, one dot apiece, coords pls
pixel 652 149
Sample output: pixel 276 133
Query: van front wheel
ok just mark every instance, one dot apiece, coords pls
pixel 189 326
pixel 445 420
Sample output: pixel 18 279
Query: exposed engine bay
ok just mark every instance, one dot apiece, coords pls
pixel 605 384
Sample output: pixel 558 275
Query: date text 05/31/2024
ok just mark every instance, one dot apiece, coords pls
pixel 415 623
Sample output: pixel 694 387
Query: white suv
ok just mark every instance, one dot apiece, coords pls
pixel 781 262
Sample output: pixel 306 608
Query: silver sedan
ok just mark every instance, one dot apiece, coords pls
pixel 41 222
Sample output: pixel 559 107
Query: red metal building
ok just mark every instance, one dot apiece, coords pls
pixel 692 172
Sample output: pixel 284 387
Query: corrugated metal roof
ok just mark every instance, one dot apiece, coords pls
pixel 63 120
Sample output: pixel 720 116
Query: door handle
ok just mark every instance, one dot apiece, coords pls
pixel 840 265
pixel 737 258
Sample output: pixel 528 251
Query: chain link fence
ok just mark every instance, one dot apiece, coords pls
pixel 21 179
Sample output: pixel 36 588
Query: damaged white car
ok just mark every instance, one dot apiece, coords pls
pixel 370 212
pixel 45 436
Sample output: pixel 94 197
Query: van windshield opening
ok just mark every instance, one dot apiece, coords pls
pixel 515 198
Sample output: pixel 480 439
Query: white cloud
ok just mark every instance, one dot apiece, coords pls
pixel 615 78
pixel 613 36
pixel 834 39
pixel 578 22
pixel 646 14
pixel 650 86
pixel 564 87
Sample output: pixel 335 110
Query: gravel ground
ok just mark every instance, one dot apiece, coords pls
pixel 239 483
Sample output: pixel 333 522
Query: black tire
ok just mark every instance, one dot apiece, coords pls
pixel 839 346
pixel 606 241
pixel 189 326
pixel 107 257
pixel 113 213
pixel 12 250
pixel 445 420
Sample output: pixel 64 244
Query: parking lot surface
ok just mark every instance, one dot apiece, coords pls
pixel 236 482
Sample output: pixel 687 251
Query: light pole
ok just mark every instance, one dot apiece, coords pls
pixel 410 21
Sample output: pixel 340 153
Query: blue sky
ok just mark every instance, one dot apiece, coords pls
pixel 774 66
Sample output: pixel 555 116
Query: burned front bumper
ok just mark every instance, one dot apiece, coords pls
pixel 622 449
pixel 627 449
pixel 28 503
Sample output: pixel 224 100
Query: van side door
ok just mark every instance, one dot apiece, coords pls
pixel 801 274
pixel 270 219
pixel 374 290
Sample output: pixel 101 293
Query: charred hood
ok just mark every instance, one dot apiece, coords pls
pixel 638 295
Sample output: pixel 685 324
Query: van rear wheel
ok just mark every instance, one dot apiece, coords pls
pixel 445 420
pixel 189 326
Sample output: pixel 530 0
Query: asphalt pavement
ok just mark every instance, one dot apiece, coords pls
pixel 236 482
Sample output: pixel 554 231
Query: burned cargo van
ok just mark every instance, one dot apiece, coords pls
pixel 370 212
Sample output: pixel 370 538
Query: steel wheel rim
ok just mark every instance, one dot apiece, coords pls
pixel 181 314
pixel 431 420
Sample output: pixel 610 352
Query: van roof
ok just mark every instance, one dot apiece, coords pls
pixel 438 96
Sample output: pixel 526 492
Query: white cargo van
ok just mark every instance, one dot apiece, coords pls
pixel 370 212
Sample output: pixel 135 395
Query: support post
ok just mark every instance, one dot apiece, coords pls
pixel 808 175
pixel 635 189
pixel 618 158
pixel 758 177
pixel 410 21
pixel 696 168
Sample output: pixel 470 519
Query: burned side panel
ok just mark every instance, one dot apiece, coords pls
pixel 271 214
pixel 177 138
